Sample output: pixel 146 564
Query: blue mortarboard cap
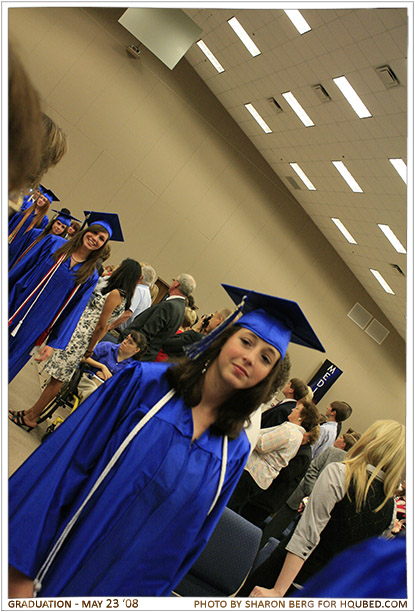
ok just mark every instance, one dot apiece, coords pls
pixel 48 193
pixel 64 217
pixel 109 221
pixel 276 320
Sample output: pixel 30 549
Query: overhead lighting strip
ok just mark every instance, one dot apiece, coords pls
pixel 244 37
pixel 351 96
pixel 215 62
pixel 382 281
pixel 340 167
pixel 400 167
pixel 297 108
pixel 303 177
pixel 258 118
pixel 344 231
pixel 298 20
pixel 397 245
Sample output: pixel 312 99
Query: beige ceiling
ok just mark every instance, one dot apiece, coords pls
pixel 350 42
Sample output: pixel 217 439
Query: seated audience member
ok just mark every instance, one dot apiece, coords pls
pixel 289 511
pixel 352 500
pixel 293 391
pixel 274 449
pixel 269 501
pixel 336 412
pixel 108 359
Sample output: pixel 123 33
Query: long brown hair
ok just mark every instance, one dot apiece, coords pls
pixel 89 265
pixel 187 378
pixel 37 218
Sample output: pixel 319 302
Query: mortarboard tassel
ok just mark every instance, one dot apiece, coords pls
pixel 193 351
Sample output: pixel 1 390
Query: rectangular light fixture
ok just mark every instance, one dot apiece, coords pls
pixel 344 231
pixel 392 238
pixel 258 118
pixel 205 49
pixel 245 38
pixel 382 281
pixel 400 168
pixel 340 167
pixel 303 177
pixel 351 96
pixel 297 108
pixel 298 20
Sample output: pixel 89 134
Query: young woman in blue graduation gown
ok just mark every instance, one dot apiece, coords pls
pixel 22 245
pixel 81 527
pixel 76 271
pixel 29 216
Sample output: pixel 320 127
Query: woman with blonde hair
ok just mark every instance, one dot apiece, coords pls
pixel 352 500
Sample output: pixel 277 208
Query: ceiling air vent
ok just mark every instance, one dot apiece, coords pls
pixel 275 104
pixel 359 315
pixel 292 182
pixel 387 76
pixel 321 93
pixel 377 331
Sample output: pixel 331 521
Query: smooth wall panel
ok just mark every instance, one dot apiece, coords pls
pixel 194 194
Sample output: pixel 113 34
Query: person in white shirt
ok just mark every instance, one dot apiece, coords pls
pixel 336 412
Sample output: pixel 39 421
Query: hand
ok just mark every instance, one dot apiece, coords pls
pixel 44 354
pixel 261 592
pixel 105 373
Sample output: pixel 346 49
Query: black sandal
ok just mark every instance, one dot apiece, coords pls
pixel 17 417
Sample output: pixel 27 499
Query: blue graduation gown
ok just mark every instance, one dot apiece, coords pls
pixel 23 278
pixel 20 244
pixel 17 217
pixel 147 523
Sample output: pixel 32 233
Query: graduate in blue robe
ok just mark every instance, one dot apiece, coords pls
pixel 28 239
pixel 40 310
pixel 47 196
pixel 143 526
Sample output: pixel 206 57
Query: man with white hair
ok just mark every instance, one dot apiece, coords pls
pixel 163 319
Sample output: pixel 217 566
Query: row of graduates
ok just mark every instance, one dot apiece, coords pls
pixel 128 490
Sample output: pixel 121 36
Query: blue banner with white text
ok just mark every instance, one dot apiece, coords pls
pixel 324 378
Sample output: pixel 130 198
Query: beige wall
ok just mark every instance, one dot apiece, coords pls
pixel 193 194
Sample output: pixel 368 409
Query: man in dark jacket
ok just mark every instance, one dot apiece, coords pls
pixel 162 320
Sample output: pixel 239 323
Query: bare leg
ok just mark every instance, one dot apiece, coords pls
pixel 19 584
pixel 49 392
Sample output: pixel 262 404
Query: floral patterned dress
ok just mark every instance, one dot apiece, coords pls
pixel 63 363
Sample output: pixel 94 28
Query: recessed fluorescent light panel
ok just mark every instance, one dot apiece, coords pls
pixel 344 231
pixel 245 38
pixel 258 118
pixel 203 47
pixel 400 167
pixel 351 96
pixel 392 238
pixel 382 281
pixel 340 167
pixel 298 20
pixel 303 177
pixel 297 108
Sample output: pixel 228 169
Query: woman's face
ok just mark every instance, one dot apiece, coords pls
pixel 245 360
pixel 41 201
pixel 94 240
pixel 58 228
